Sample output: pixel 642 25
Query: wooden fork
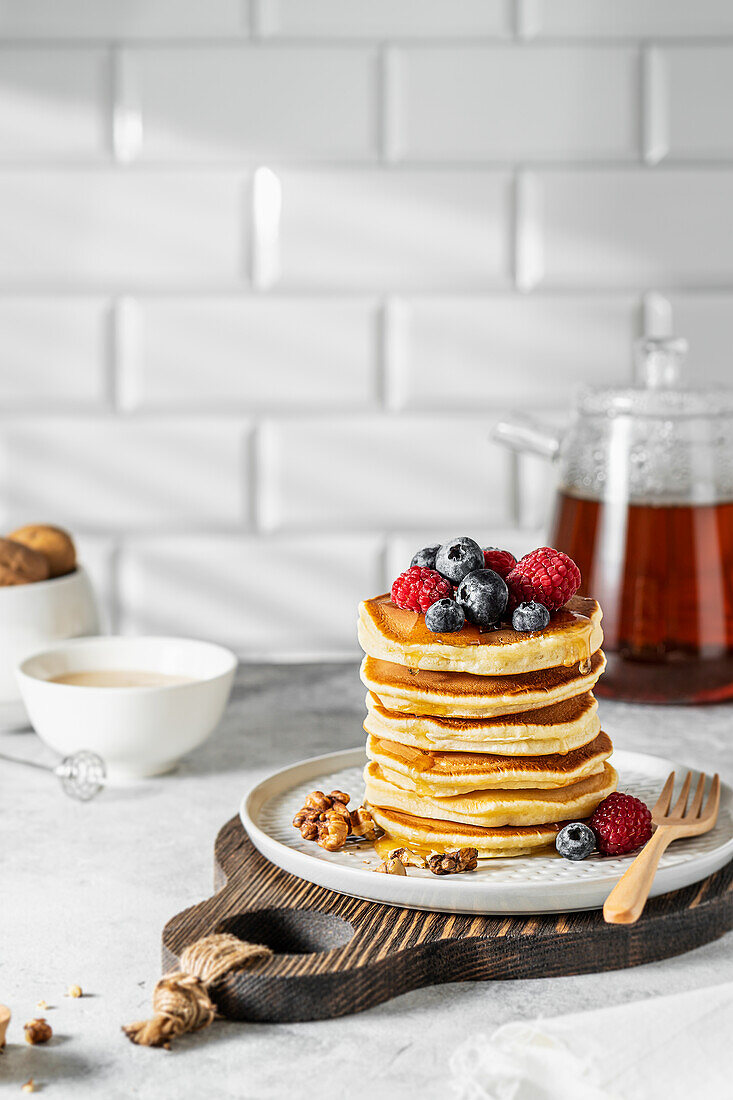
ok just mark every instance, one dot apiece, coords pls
pixel 628 897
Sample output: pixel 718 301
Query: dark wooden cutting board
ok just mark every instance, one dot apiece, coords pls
pixel 335 954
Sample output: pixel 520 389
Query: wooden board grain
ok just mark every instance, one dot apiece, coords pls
pixel 335 955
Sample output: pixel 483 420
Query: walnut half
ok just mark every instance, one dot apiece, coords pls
pixel 409 858
pixel 37 1031
pixel 363 824
pixel 453 863
pixel 333 830
pixel 391 867
pixel 326 818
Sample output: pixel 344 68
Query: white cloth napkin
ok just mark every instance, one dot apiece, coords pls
pixel 671 1048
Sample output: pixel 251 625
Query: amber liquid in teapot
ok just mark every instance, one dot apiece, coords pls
pixel 663 575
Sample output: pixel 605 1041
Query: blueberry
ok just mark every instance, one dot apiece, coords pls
pixel 483 595
pixel 444 617
pixel 576 841
pixel 530 616
pixel 425 557
pixel 457 558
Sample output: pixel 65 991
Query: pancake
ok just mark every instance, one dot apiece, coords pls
pixel 531 806
pixel 465 695
pixel 424 835
pixel 442 774
pixel 389 633
pixel 560 727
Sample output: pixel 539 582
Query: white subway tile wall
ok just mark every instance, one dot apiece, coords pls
pixel 83 229
pixel 227 102
pixel 117 474
pixel 248 353
pixel 451 102
pixel 265 597
pixel 396 228
pixel 54 103
pixel 360 473
pixel 270 271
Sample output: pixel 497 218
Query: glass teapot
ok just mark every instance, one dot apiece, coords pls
pixel 645 507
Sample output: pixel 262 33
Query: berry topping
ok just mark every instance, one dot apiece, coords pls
pixel 547 576
pixel 621 823
pixel 483 596
pixel 530 616
pixel 444 617
pixel 575 841
pixel 459 557
pixel 417 589
pixel 501 561
pixel 426 557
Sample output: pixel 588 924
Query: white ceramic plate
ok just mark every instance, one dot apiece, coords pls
pixel 530 884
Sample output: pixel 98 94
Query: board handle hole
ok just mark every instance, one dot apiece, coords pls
pixel 290 931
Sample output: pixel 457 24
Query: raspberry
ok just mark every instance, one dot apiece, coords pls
pixel 547 576
pixel 501 561
pixel 621 823
pixel 418 588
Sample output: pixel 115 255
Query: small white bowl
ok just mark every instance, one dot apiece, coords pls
pixel 36 615
pixel 138 731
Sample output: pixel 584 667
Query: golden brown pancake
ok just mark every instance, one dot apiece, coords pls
pixel 441 774
pixel 531 806
pixel 390 633
pixel 421 834
pixel 560 727
pixel 465 695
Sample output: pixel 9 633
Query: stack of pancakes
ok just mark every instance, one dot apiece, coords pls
pixel 490 740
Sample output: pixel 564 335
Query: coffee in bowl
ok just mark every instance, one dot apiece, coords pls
pixel 119 678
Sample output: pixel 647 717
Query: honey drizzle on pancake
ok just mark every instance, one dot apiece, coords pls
pixel 419 759
pixel 573 621
pixel 491 678
pixel 387 674
pixel 385 845
pixel 456 763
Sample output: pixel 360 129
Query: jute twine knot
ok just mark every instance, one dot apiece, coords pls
pixel 182 1000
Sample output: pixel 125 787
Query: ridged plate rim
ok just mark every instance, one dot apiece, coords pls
pixel 511 886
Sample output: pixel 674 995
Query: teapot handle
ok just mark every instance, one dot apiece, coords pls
pixel 522 433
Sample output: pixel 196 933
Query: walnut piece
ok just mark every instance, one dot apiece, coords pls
pixel 363 824
pixel 317 800
pixel 307 822
pixel 29 1086
pixel 303 816
pixel 409 858
pixel 391 867
pixel 37 1031
pixel 333 830
pixel 74 991
pixel 340 796
pixel 343 810
pixel 453 863
pixel 325 818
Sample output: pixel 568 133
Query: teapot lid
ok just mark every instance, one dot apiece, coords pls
pixel 660 388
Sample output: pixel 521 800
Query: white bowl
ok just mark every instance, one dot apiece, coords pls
pixel 138 731
pixel 33 616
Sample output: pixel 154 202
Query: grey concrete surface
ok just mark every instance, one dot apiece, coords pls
pixel 86 889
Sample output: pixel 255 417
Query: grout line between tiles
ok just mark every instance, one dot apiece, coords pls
pixel 388 138
pixel 655 106
pixel 251 461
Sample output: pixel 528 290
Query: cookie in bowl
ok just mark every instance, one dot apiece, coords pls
pixel 45 596
pixel 56 545
pixel 21 564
